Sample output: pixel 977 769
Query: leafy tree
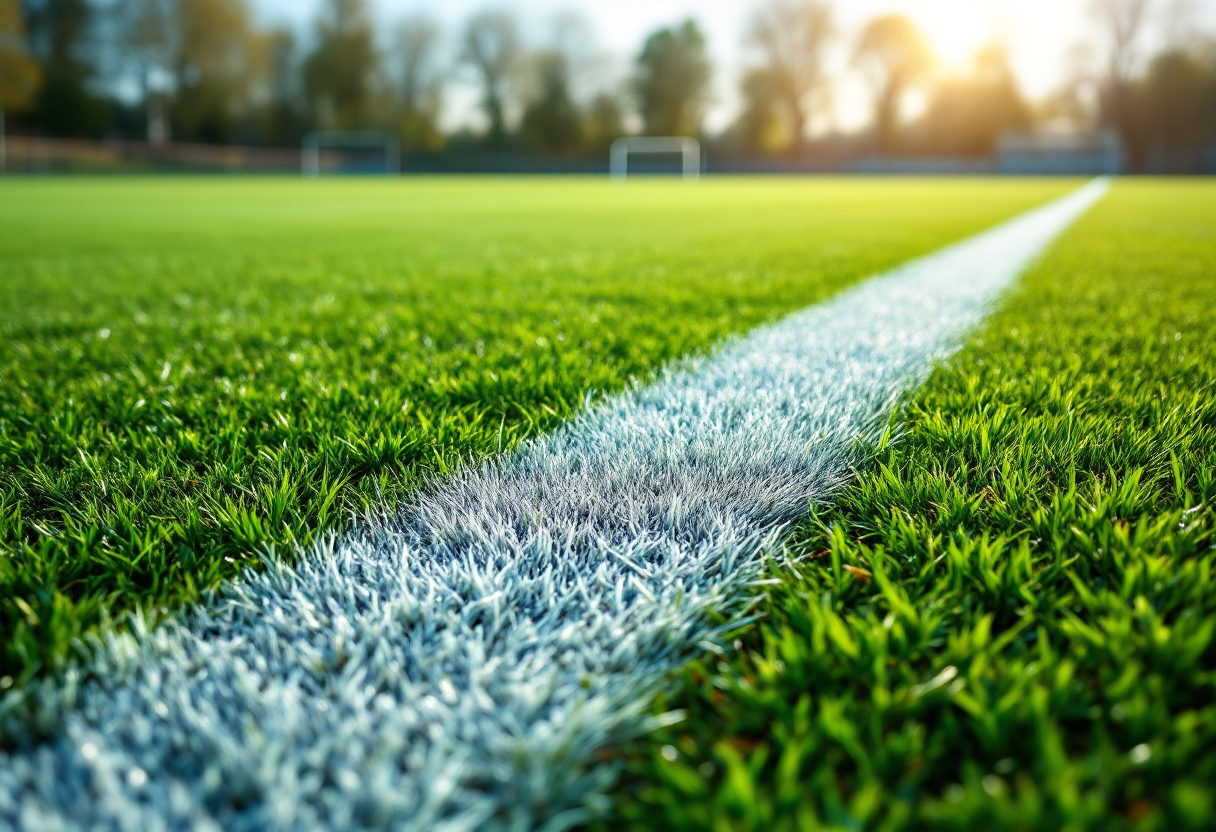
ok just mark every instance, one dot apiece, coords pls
pixel 793 36
pixel 20 74
pixel 552 123
pixel 199 64
pixel 896 56
pixel 420 83
pixel 219 61
pixel 60 34
pixel 555 121
pixel 492 47
pixel 603 123
pixel 761 127
pixel 338 73
pixel 1179 102
pixel 280 118
pixel 967 113
pixel 671 82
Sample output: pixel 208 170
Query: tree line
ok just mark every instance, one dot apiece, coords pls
pixel 204 71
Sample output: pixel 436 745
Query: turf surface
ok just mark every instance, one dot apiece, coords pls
pixel 1008 621
pixel 194 370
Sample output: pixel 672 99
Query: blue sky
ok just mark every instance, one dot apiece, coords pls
pixel 1039 33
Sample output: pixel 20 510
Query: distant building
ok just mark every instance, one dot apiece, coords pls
pixel 1060 151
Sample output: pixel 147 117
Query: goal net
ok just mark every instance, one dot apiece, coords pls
pixel 350 152
pixel 688 150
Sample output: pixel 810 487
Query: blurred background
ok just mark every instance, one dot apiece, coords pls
pixel 952 86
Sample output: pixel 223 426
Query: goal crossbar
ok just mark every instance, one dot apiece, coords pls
pixel 315 142
pixel 688 148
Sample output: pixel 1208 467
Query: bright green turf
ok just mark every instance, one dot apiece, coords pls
pixel 192 370
pixel 1007 622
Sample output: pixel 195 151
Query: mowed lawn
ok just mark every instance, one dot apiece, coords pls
pixel 1008 621
pixel 195 371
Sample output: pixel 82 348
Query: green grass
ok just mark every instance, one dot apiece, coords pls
pixel 194 370
pixel 1008 621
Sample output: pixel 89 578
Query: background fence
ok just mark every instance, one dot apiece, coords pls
pixel 1016 155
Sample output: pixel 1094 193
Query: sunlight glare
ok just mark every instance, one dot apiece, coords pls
pixel 955 29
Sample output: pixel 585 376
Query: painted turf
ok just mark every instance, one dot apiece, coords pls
pixel 461 664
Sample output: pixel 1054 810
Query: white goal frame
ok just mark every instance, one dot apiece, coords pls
pixel 316 142
pixel 688 148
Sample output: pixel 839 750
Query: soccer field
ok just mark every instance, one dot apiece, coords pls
pixel 197 369
pixel 1006 618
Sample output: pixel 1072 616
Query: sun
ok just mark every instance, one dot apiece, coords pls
pixel 955 28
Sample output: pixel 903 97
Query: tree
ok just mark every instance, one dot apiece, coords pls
pixel 492 48
pixel 760 128
pixel 338 72
pixel 604 122
pixel 60 35
pixel 218 62
pixel 1075 100
pixel 280 116
pixel 552 123
pixel 420 83
pixel 572 37
pixel 20 74
pixel 149 42
pixel 1179 95
pixel 563 75
pixel 1181 28
pixel 1122 21
pixel 793 35
pixel 199 65
pixel 671 81
pixel 967 113
pixel 896 56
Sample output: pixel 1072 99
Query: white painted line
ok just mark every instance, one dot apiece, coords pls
pixel 460 667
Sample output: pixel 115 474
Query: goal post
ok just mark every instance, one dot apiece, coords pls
pixel 317 143
pixel 688 148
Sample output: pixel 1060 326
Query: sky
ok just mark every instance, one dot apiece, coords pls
pixel 1038 33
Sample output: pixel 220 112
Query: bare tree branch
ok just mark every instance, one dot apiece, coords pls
pixel 794 36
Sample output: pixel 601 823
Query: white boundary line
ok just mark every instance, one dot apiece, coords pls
pixel 459 667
